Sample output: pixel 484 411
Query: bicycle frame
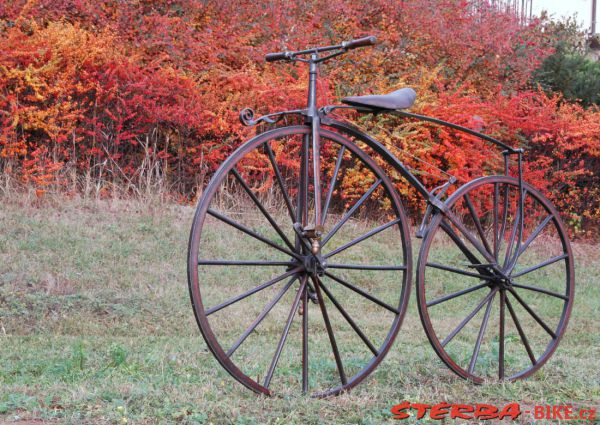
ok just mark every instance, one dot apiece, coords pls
pixel 316 117
pixel 307 261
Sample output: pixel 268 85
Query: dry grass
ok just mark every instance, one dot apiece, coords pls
pixel 96 325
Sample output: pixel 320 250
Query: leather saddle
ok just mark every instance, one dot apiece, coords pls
pixel 399 99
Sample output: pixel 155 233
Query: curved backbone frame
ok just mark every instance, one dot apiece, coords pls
pixel 352 130
pixel 247 118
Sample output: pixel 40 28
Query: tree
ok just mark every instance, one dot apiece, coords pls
pixel 569 70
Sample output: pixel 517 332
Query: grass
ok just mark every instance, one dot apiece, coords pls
pixel 96 327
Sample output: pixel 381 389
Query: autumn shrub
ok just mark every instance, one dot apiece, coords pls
pixel 140 95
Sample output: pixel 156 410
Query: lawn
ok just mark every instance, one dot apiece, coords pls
pixel 96 327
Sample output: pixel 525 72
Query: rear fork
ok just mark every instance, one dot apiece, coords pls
pixel 433 203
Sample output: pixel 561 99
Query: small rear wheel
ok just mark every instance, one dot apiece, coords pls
pixel 495 292
pixel 281 309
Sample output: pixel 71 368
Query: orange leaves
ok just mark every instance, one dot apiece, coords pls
pixel 40 169
pixel 93 85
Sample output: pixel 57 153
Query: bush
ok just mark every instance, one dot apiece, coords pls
pixel 568 70
pixel 145 94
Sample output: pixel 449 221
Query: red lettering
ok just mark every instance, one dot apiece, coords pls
pixel 486 411
pixel 421 409
pixel 538 412
pixel 556 412
pixel 587 414
pixel 458 411
pixel 568 412
pixel 512 410
pixel 439 411
pixel 398 410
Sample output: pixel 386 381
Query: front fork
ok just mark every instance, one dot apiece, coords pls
pixel 311 142
pixel 308 235
pixel 313 231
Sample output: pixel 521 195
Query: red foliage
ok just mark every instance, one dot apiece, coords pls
pixel 114 89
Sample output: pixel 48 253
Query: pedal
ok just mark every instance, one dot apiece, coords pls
pixel 309 232
pixel 312 235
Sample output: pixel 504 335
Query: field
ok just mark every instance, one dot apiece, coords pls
pixel 96 327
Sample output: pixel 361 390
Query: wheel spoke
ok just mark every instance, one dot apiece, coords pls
pixel 456 294
pixel 495 219
pixel 458 241
pixel 533 313
pixel 457 271
pixel 363 293
pixel 513 235
pixel 541 290
pixel 364 267
pixel 363 237
pixel 334 348
pixel 252 291
pixel 530 239
pixel 521 212
pixel 504 217
pixel 468 318
pixel 501 337
pixel 305 339
pixel 521 333
pixel 332 183
pixel 252 233
pixel 452 217
pixel 535 233
pixel 349 319
pixel 279 178
pixel 477 223
pixel 262 209
pixel 261 316
pixel 484 322
pixel 284 335
pixel 540 265
pixel 350 212
pixel 245 263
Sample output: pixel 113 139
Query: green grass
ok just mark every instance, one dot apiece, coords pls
pixel 96 326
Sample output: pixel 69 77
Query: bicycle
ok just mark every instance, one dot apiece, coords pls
pixel 493 237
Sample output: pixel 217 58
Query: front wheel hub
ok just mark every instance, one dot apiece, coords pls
pixel 315 264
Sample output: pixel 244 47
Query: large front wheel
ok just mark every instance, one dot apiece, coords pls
pixel 495 287
pixel 282 307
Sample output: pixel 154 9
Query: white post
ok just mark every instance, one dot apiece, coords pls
pixel 593 27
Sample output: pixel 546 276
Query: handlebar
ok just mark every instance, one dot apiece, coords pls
pixel 360 42
pixel 345 46
pixel 278 56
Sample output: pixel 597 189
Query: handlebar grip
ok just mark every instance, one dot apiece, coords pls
pixel 360 42
pixel 278 56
